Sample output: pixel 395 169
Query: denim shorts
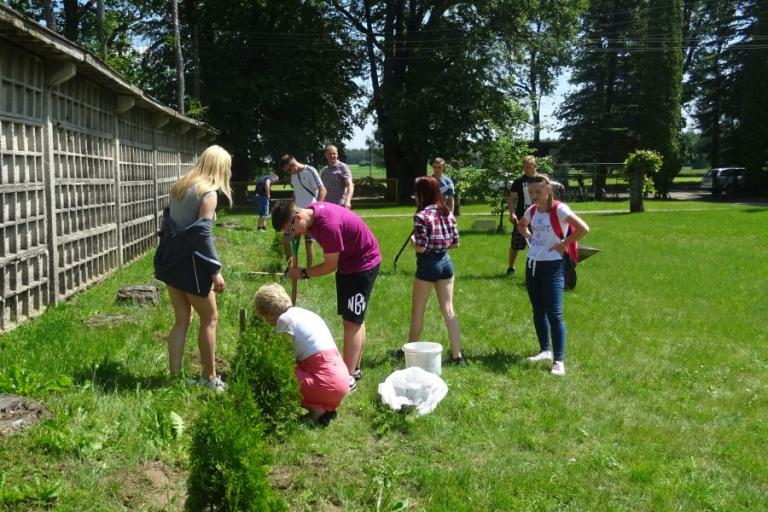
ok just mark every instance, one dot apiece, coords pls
pixel 433 267
pixel 262 206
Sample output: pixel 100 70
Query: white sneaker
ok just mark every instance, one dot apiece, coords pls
pixel 541 356
pixel 352 384
pixel 558 368
pixel 215 384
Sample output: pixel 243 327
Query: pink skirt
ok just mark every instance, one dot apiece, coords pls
pixel 323 380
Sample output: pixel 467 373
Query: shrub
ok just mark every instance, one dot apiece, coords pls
pixel 229 457
pixel 265 364
pixel 643 162
pixel 639 165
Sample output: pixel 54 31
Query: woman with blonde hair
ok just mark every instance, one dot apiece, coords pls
pixel 187 262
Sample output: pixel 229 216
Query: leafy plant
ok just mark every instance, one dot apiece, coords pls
pixel 643 162
pixel 39 492
pixel 265 364
pixel 383 480
pixel 229 457
pixel 23 382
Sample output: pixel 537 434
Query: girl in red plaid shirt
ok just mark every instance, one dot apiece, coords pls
pixel 434 232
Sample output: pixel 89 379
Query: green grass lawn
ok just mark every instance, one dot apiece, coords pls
pixel 664 406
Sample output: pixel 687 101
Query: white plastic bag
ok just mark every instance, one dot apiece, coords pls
pixel 413 386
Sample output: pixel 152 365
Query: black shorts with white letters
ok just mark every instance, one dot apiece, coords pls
pixel 353 292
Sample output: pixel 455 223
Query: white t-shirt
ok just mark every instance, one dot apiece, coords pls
pixel 305 185
pixel 543 237
pixel 309 332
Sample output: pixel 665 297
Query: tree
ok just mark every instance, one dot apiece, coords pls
pixel 179 57
pixel 754 103
pixel 712 86
pixel 101 29
pixel 277 77
pixel 49 15
pixel 432 68
pixel 660 86
pixel 536 56
pixel 600 118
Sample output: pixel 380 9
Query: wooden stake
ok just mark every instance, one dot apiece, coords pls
pixel 243 319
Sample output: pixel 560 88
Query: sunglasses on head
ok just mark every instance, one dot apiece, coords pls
pixel 291 227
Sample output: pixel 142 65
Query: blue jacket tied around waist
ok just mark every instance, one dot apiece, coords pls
pixel 186 258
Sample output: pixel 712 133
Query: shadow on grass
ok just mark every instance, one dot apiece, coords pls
pixel 501 276
pixel 498 362
pixel 470 234
pixel 113 377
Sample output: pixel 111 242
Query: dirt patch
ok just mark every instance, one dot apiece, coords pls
pixel 230 225
pixel 18 413
pixel 154 486
pixel 281 477
pixel 108 320
pixel 222 366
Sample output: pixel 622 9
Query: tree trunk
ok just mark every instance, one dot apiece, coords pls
pixel 179 59
pixel 196 61
pixel 71 20
pixel 534 95
pixel 50 19
pixel 100 27
pixel 192 16
pixel 636 183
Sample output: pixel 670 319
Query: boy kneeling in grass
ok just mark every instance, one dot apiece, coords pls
pixel 323 376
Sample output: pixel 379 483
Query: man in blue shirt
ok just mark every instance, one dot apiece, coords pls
pixel 446 184
pixel 263 195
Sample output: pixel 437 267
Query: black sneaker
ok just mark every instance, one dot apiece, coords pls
pixel 510 271
pixel 357 374
pixel 326 418
pixel 458 361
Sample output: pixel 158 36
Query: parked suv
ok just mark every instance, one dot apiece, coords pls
pixel 728 179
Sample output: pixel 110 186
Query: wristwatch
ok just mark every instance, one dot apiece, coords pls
pixel 304 274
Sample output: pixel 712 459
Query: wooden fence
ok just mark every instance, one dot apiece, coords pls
pixel 85 174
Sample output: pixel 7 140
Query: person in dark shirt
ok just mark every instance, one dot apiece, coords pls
pixel 517 202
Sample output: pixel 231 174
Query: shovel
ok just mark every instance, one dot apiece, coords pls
pixel 401 250
pixel 294 263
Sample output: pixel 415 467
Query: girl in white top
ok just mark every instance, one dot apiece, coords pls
pixel 544 277
pixel 323 376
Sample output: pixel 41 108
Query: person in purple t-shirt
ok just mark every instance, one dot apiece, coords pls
pixel 352 251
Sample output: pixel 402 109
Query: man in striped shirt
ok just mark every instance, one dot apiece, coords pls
pixel 307 188
pixel 337 179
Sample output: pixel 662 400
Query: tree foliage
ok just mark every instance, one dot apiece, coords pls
pixel 754 102
pixel 600 117
pixel 536 55
pixel 435 89
pixel 713 76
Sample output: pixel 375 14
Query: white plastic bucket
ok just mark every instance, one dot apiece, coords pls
pixel 424 354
